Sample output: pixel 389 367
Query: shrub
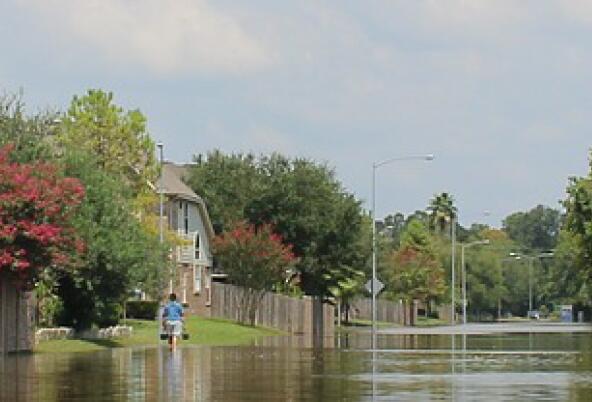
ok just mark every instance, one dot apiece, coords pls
pixel 141 309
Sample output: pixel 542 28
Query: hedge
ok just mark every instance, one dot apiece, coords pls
pixel 142 309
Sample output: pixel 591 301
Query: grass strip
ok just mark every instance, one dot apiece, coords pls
pixel 202 331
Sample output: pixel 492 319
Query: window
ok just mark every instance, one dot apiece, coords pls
pixel 197 247
pixel 186 217
pixel 196 279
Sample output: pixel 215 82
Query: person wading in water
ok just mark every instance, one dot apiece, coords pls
pixel 172 317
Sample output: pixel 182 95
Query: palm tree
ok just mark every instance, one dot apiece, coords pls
pixel 442 211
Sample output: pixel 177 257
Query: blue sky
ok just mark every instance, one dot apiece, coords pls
pixel 499 90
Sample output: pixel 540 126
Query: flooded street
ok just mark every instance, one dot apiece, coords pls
pixel 501 367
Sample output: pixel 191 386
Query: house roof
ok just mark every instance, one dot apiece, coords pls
pixel 173 186
pixel 172 182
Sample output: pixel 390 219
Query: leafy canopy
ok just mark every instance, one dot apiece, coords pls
pixel 119 254
pixel 36 209
pixel 118 139
pixel 303 202
pixel 536 229
pixel 415 272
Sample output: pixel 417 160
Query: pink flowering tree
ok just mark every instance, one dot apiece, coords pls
pixel 36 205
pixel 255 259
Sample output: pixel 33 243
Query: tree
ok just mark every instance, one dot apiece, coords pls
pixel 119 254
pixel 28 135
pixel 302 200
pixel 486 288
pixel 309 208
pixel 395 224
pixel 442 211
pixel 575 253
pixel 255 259
pixel 227 184
pixel 36 209
pixel 566 282
pixel 346 289
pixel 536 229
pixel 415 272
pixel 117 138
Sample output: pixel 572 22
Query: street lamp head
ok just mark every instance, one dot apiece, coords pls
pixel 159 145
pixel 429 157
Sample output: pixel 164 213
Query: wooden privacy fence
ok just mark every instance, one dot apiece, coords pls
pixel 17 318
pixel 391 311
pixel 294 315
pixel 386 311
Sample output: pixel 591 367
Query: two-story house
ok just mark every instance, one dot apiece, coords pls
pixel 186 214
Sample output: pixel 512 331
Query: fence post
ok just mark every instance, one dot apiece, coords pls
pixel 2 315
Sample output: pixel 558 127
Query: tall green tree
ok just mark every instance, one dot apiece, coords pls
pixel 227 184
pixel 310 209
pixel 117 138
pixel 302 200
pixel 486 288
pixel 415 271
pixel 29 135
pixel 567 281
pixel 119 256
pixel 441 211
pixel 394 225
pixel 575 252
pixel 536 229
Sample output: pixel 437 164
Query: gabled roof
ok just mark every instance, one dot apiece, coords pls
pixel 172 182
pixel 173 186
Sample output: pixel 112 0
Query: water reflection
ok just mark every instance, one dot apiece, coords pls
pixel 404 367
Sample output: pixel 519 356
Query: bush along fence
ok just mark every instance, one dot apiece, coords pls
pixel 293 315
pixel 17 318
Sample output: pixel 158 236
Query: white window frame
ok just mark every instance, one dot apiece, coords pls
pixel 197 278
pixel 197 246
pixel 186 217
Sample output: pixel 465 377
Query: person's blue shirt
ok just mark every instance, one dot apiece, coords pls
pixel 173 311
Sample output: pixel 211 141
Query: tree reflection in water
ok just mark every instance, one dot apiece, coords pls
pixel 557 367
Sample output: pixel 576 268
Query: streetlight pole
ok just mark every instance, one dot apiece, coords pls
pixel 160 147
pixel 464 273
pixel 453 279
pixel 375 166
pixel 530 283
pixel 530 259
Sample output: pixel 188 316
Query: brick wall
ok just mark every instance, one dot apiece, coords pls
pixel 198 301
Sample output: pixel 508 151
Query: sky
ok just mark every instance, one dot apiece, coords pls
pixel 500 91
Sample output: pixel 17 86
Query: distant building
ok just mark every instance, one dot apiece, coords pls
pixel 186 214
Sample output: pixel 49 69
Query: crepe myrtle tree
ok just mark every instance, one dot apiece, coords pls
pixel 36 206
pixel 254 258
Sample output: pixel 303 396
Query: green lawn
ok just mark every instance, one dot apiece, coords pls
pixel 355 323
pixel 429 322
pixel 202 331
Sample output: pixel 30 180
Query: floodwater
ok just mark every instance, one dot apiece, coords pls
pixel 497 367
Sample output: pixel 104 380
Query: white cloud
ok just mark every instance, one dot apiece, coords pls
pixel 479 15
pixel 253 137
pixel 163 36
pixel 578 10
